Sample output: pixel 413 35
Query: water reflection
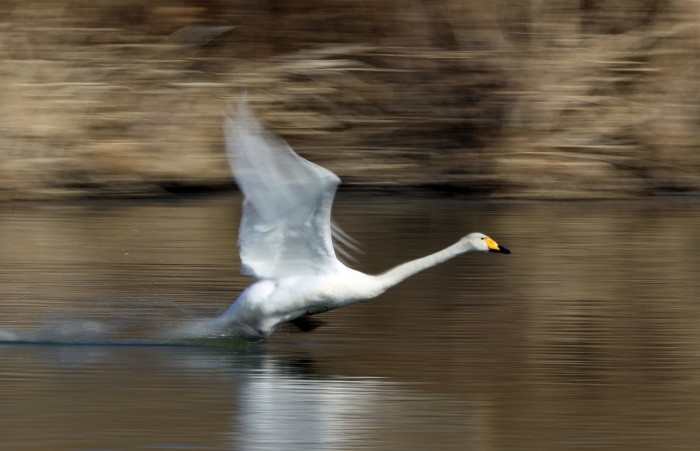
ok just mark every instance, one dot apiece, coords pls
pixel 585 337
pixel 81 397
pixel 304 409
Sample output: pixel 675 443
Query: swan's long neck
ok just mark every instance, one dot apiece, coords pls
pixel 402 272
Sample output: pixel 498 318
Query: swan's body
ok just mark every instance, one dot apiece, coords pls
pixel 285 238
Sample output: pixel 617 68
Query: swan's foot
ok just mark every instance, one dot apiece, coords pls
pixel 307 323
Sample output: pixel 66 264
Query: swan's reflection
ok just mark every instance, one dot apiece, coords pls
pixel 279 409
pixel 286 402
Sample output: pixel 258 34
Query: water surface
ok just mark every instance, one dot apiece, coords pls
pixel 585 337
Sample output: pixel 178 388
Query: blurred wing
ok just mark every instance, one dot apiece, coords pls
pixel 286 227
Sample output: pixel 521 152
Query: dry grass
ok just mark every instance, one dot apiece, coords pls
pixel 108 98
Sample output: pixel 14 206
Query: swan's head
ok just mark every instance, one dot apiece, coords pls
pixel 478 242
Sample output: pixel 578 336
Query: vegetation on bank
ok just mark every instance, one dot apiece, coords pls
pixel 541 99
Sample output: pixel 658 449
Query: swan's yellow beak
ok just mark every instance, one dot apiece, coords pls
pixel 494 247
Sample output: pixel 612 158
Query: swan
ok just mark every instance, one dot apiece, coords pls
pixel 286 238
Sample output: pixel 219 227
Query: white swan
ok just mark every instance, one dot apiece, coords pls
pixel 285 238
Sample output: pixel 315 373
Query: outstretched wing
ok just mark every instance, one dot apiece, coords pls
pixel 286 225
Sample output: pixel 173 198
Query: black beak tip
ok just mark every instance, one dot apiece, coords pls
pixel 501 250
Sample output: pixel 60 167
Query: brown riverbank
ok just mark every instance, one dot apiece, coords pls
pixel 582 100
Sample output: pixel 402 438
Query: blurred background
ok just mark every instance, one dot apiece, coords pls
pixel 530 98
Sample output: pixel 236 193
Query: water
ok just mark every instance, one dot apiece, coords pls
pixel 585 337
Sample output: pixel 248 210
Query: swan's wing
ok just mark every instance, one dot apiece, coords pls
pixel 286 226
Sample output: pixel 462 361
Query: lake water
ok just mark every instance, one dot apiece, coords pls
pixel 586 337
